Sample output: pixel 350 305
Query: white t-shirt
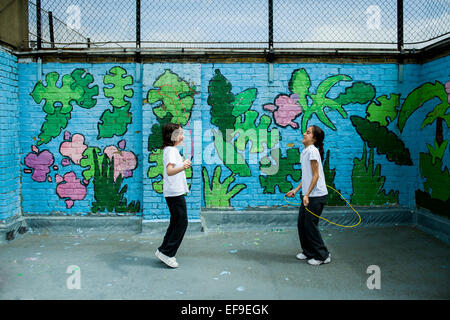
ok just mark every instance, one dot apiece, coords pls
pixel 308 154
pixel 175 185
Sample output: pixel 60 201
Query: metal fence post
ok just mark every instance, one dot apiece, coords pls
pixel 138 24
pixel 38 24
pixel 270 25
pixel 271 52
pixel 50 26
pixel 400 25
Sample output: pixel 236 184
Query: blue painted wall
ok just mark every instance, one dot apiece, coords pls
pixel 343 142
pixel 9 137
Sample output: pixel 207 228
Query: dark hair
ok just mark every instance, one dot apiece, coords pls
pixel 167 132
pixel 319 136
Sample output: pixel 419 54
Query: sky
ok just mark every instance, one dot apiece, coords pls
pixel 171 21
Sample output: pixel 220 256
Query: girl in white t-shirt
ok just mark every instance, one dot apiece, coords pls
pixel 314 192
pixel 174 189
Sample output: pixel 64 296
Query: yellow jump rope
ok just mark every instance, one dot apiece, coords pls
pixel 340 225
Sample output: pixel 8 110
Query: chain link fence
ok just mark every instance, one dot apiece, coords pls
pixel 263 24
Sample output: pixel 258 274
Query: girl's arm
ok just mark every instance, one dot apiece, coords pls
pixel 173 171
pixel 293 192
pixel 315 178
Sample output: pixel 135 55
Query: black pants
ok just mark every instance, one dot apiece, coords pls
pixel 177 226
pixel 308 230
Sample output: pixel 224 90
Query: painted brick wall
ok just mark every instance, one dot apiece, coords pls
pixel 69 110
pixel 433 153
pixel 9 137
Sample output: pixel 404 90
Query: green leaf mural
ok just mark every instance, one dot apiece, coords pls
pixel 53 95
pixel 156 171
pixel 333 199
pixel 59 100
pixel 109 194
pixel 436 180
pixel 53 125
pixel 118 79
pixel 383 110
pixel 218 193
pixel 115 122
pixel 221 100
pixel 418 97
pixel 230 157
pixel 386 142
pixel 175 95
pixel 368 183
pixel 88 161
pixel 300 84
pixel 84 80
pixel 232 116
pixel 285 166
pixel 258 134
pixel 437 152
pixel 243 101
pixel 359 92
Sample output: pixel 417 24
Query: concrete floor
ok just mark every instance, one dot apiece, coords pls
pixel 232 265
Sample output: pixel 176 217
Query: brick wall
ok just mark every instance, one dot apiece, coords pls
pixel 9 137
pixel 68 111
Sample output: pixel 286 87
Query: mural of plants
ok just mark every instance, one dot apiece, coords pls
pixel 108 192
pixel 301 101
pixel 436 180
pixel 77 89
pixel 40 163
pixel 285 109
pixel 257 134
pixel 176 100
pixel 368 183
pixel 58 100
pixel 88 161
pixel 115 122
pixel 238 129
pixel 385 141
pixel 417 98
pixel 175 97
pixel 231 114
pixel 435 196
pixel 229 155
pixel 217 193
pixel 70 188
pixel 285 168
pixel 333 199
pixel 383 109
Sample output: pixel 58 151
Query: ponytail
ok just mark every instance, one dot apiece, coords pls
pixel 319 136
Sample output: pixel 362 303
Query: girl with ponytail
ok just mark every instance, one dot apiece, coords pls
pixel 314 192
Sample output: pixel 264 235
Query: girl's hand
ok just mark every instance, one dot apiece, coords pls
pixel 305 201
pixel 291 194
pixel 187 164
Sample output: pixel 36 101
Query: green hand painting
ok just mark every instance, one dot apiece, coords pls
pixel 218 193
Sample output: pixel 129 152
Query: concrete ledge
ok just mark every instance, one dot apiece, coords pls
pixel 266 218
pixel 159 227
pixel 435 225
pixel 66 224
pixel 223 219
pixel 11 226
